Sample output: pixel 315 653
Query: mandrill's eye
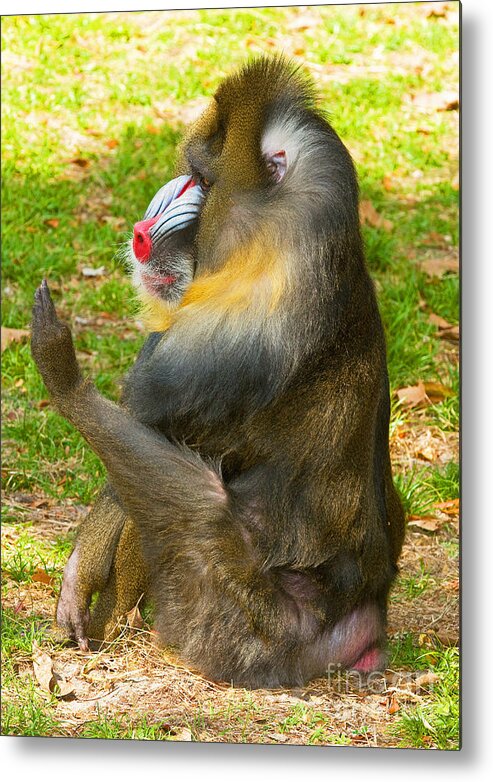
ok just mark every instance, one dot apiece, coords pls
pixel 205 183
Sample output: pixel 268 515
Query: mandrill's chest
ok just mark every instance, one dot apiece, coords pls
pixel 203 386
pixel 196 394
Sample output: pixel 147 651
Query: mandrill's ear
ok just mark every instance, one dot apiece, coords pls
pixel 276 165
pixel 280 147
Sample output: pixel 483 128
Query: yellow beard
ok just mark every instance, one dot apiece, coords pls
pixel 252 280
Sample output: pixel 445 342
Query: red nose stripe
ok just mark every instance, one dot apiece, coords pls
pixel 142 244
pixel 186 186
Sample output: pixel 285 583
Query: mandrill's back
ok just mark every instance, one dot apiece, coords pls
pixel 316 457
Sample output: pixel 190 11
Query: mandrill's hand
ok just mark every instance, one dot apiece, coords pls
pixel 52 347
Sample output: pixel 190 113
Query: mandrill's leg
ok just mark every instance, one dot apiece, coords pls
pixel 107 559
pixel 126 585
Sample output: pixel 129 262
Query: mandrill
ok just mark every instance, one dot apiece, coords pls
pixel 250 494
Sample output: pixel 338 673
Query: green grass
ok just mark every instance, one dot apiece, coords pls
pixel 319 724
pixel 414 586
pixel 27 713
pixel 421 489
pixel 25 710
pixel 435 720
pixel 20 559
pixel 112 728
pixel 107 90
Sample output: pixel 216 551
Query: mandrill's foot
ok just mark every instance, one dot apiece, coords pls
pixel 52 347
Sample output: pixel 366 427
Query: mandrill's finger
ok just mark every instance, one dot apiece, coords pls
pixel 79 624
pixel 43 300
pixel 43 312
pixel 45 295
pixel 83 644
pixel 78 628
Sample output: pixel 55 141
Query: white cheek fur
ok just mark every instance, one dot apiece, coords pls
pixel 284 137
pixel 300 145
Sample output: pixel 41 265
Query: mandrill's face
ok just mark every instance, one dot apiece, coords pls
pixel 259 170
pixel 192 224
pixel 162 245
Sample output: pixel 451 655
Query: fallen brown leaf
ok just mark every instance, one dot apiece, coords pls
pixel 369 215
pixel 134 618
pixel 436 10
pixel 427 452
pixel 450 507
pixel 61 688
pixel 445 330
pixel 80 162
pixel 437 267
pixel 182 734
pixel 393 705
pixel 280 737
pixel 13 335
pixel 43 502
pixel 450 105
pixel 436 320
pixel 453 333
pixel 446 639
pixel 43 667
pixel 434 239
pixel 413 396
pixel 53 222
pixel 453 585
pixel 424 679
pixel 436 392
pixel 42 577
pixel 425 524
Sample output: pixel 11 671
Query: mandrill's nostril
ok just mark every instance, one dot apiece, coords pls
pixel 142 243
pixel 142 246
